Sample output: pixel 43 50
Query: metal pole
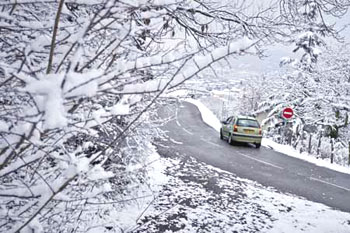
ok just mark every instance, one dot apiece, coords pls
pixel 332 150
pixel 319 145
pixel 302 141
pixel 349 155
pixel 310 138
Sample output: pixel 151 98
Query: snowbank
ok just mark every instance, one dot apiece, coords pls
pixel 288 150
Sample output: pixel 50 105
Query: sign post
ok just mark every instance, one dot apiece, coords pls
pixel 287 114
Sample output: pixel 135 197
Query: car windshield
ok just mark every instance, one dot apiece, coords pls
pixel 248 123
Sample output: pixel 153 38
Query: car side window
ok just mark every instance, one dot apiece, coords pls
pixel 228 121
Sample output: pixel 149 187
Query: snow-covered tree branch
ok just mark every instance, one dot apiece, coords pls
pixel 78 84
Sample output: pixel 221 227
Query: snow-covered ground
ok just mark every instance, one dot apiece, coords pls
pixel 201 198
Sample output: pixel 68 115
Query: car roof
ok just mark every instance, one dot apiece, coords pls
pixel 246 117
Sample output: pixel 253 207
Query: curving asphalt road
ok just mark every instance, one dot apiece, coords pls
pixel 191 136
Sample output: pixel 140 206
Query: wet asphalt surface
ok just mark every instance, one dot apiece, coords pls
pixel 190 136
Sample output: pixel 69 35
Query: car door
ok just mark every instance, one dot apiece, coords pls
pixel 230 125
pixel 226 126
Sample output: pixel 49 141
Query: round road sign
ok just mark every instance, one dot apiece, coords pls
pixel 287 113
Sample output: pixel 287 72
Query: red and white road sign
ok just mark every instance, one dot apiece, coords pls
pixel 287 113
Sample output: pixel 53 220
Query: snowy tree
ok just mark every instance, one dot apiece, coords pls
pixel 254 91
pixel 320 101
pixel 301 87
pixel 310 27
pixel 78 82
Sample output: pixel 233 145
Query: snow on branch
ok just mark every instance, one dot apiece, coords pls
pixel 191 68
pixel 72 131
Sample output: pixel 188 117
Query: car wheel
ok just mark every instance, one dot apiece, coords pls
pixel 230 141
pixel 257 145
pixel 221 136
